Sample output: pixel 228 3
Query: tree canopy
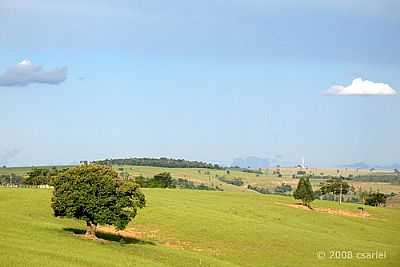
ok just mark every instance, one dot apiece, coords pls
pixel 94 193
pixel 304 191
pixel 41 176
pixel 376 199
pixel 38 176
pixel 335 185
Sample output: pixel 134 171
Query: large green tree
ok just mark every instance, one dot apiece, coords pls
pixel 336 186
pixel 304 191
pixel 94 193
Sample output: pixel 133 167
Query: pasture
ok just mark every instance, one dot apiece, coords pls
pixel 200 228
pixel 267 178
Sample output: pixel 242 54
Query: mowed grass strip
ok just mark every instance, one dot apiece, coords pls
pixel 198 228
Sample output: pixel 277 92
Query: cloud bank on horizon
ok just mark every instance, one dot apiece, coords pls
pixel 26 73
pixel 361 87
pixel 7 155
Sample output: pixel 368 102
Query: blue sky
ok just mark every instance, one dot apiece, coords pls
pixel 210 80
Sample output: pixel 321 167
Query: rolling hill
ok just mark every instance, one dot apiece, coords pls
pixel 199 228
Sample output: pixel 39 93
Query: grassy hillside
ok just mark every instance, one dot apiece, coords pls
pixel 24 170
pixel 267 179
pixel 198 228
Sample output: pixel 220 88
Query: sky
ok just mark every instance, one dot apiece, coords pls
pixel 200 80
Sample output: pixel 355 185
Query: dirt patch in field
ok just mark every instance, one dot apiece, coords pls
pixel 360 214
pixel 129 233
pixel 339 212
pixel 155 236
pixel 393 202
pixel 296 206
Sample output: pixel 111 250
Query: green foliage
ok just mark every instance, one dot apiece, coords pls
pixel 283 188
pixel 161 162
pixel 393 178
pixel 41 176
pixel 10 179
pixel 335 186
pixel 259 189
pixel 38 176
pixel 232 181
pixel 161 180
pixel 301 173
pixel 94 194
pixel 142 181
pixel 376 199
pixel 164 180
pixel 186 184
pixel 237 168
pixel 304 191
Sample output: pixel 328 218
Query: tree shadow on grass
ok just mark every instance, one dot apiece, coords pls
pixel 111 237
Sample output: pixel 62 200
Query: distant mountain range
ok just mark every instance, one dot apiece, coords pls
pixel 253 162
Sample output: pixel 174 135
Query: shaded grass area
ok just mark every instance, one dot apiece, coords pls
pixel 110 237
pixel 196 228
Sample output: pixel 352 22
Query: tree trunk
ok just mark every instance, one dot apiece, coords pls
pixel 90 230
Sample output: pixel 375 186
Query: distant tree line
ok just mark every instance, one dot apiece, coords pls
pixel 333 189
pixel 165 180
pixel 393 178
pixel 236 168
pixel 384 178
pixel 259 189
pixel 160 162
pixel 42 176
pixel 11 179
pixel 283 189
pixel 232 181
pixel 36 176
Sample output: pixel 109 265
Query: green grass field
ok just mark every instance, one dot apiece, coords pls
pixel 199 228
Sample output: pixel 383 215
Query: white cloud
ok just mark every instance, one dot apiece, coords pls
pixel 25 73
pixel 360 87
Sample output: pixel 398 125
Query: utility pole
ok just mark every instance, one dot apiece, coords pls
pixel 340 196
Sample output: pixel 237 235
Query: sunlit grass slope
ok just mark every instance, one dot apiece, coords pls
pixel 197 228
